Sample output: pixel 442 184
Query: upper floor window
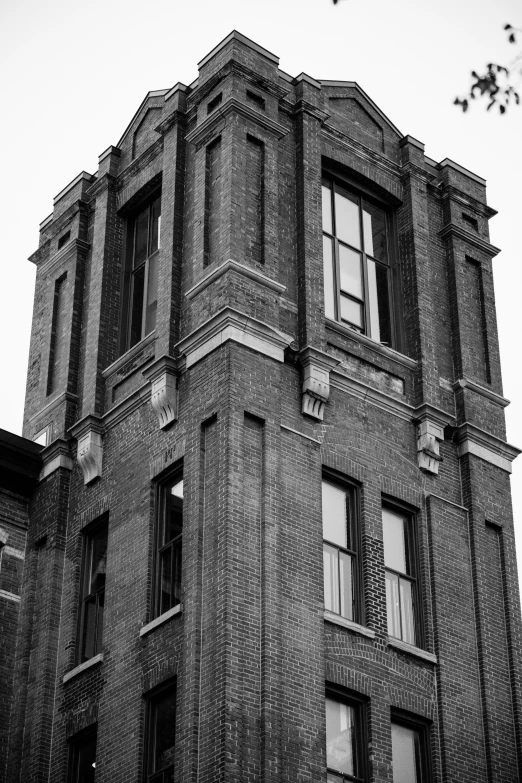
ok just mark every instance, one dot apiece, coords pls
pixel 410 751
pixel 356 259
pixel 82 757
pixel 345 741
pixel 169 528
pixel 143 242
pixel 92 597
pixel 340 549
pixel 402 598
pixel 161 734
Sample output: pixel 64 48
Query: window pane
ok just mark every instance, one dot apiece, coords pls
pixel 394 540
pixel 89 629
pixel 174 512
pixel 351 311
pixel 334 515
pixel 346 585
pixel 374 228
pixel 403 754
pixel 155 225
pixel 99 623
pixel 406 599
pixel 98 560
pixel 85 762
pixel 329 305
pixel 141 230
pixel 347 219
pixel 165 580
pixel 327 209
pixel 137 290
pixel 383 303
pixel 373 306
pixel 152 295
pixel 350 267
pixel 392 605
pixel 164 731
pixel 331 578
pixel 340 737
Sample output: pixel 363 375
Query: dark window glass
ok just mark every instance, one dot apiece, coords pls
pixel 340 550
pixel 93 593
pixel 401 585
pixel 144 242
pixel 82 758
pixel 356 262
pixel 169 536
pixel 344 741
pixel 161 737
pixel 410 752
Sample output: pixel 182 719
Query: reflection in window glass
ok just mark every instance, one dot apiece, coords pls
pixel 405 754
pixel 341 741
pixel 400 581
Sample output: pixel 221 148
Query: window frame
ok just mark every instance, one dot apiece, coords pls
pixel 88 534
pixel 76 743
pixel 162 487
pixel 151 699
pixel 360 706
pixel 130 273
pixel 352 492
pixel 412 559
pixel 422 727
pixel 334 181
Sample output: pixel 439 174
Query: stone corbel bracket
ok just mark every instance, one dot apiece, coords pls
pixel 430 423
pixel 163 375
pixel 316 381
pixel 89 434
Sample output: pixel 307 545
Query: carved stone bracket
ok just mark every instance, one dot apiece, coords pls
pixel 316 381
pixel 163 375
pixel 430 423
pixel 89 434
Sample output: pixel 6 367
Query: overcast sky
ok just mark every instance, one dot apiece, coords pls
pixel 73 74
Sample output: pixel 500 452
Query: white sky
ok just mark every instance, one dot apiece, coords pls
pixel 73 74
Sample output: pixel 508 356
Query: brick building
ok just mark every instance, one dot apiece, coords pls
pixel 272 536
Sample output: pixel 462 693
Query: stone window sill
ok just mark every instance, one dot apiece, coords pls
pixel 128 355
pixel 373 345
pixel 163 618
pixel 336 619
pixel 82 667
pixel 410 648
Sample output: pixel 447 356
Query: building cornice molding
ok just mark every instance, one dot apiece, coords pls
pixel 235 266
pixel 371 395
pixel 467 383
pixel 54 403
pixel 126 407
pixel 230 324
pixel 379 348
pixel 329 133
pixel 175 118
pixel 478 442
pixel 455 194
pixel 234 106
pixel 232 66
pixel 452 231
pixel 75 247
pixel 302 106
pixel 56 455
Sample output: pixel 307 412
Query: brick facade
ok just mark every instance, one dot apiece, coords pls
pixel 241 348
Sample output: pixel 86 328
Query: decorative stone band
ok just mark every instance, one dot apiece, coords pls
pixel 431 422
pixel 234 266
pixel 163 375
pixel 472 440
pixel 234 106
pixel 316 381
pixel 88 432
pixel 466 383
pixel 56 455
pixel 231 324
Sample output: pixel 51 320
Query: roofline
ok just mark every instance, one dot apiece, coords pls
pixel 354 85
pixel 452 165
pixel 81 175
pixel 150 94
pixel 235 35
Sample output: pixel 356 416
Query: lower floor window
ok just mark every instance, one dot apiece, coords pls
pixel 409 752
pixel 82 757
pixel 161 733
pixel 344 740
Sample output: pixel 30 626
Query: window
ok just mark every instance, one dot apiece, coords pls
pixel 93 592
pixel 161 734
pixel 82 757
pixel 356 259
pixel 143 242
pixel 345 755
pixel 168 537
pixel 401 583
pixel 340 533
pixel 409 751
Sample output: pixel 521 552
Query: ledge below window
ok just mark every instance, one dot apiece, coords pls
pixel 145 629
pixel 384 350
pixel 410 648
pixel 82 667
pixel 336 619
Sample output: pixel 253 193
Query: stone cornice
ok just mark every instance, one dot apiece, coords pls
pixel 176 117
pixel 122 360
pixel 379 348
pixel 56 455
pixel 466 383
pixel 77 245
pixel 234 266
pixel 371 395
pixel 230 324
pixel 125 407
pixel 451 230
pixel 103 183
pixel 436 415
pixel 355 147
pixel 410 169
pixel 453 193
pixel 200 92
pixel 302 106
pixel 231 106
pixel 473 440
